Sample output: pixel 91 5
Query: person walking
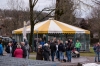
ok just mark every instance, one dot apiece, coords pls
pixel 18 53
pixel 53 49
pixel 78 46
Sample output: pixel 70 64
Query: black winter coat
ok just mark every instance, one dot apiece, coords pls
pixel 8 49
pixel 39 55
pixel 46 53
pixel 53 47
pixel 61 47
pixel 24 51
pixel 68 47
pixel 13 49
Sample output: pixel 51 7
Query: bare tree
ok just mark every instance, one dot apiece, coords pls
pixel 68 10
pixel 33 18
pixel 16 4
pixel 95 21
pixel 32 5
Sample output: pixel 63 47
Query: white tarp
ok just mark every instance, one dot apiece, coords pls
pixel 24 31
pixel 91 64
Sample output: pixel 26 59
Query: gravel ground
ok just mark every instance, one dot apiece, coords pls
pixel 10 61
pixel 74 62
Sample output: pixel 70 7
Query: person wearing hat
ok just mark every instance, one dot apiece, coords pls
pixel 39 55
pixel 46 52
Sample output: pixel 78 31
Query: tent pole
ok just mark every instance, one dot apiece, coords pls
pixel 33 43
pixel 85 42
pixel 46 38
pixel 37 44
pixel 74 39
pixel 61 36
pixel 89 41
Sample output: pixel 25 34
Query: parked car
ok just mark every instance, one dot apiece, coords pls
pixel 6 39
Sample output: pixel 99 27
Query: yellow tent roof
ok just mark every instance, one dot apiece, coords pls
pixel 19 31
pixel 53 26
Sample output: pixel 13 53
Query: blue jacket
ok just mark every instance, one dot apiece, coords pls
pixel 1 49
pixel 42 43
pixel 97 48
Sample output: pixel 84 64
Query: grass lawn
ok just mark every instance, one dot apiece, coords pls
pixel 90 54
pixel 33 53
pixel 32 58
pixel 86 54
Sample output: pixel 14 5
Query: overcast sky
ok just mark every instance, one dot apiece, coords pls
pixel 40 5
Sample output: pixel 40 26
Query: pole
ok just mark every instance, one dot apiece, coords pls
pixel 24 31
pixel 37 36
pixel 37 39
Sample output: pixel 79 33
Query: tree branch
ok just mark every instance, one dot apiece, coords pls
pixel 34 3
pixel 39 14
pixel 96 2
pixel 46 16
pixel 30 2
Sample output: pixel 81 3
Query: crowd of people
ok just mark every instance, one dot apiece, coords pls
pixel 14 49
pixel 47 51
pixel 52 49
pixel 57 48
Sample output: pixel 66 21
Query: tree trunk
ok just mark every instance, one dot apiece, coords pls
pixel 32 24
pixel 57 10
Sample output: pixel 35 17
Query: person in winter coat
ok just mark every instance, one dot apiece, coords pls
pixel 1 49
pixel 57 51
pixel 68 48
pixel 53 49
pixel 39 55
pixel 24 49
pixel 14 46
pixel 97 51
pixel 78 46
pixel 18 53
pixel 46 52
pixel 61 49
pixel 9 49
pixel 94 48
pixel 27 48
pixel 42 42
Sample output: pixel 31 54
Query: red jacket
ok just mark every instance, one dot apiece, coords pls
pixel 18 53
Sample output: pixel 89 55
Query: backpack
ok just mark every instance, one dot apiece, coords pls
pixel 63 49
pixel 94 48
pixel 64 60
